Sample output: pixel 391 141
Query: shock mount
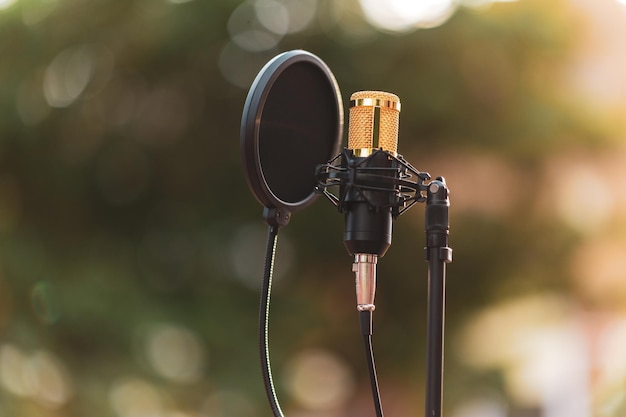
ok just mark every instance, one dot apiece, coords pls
pixel 382 185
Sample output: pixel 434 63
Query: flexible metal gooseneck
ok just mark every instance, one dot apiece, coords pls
pixel 264 311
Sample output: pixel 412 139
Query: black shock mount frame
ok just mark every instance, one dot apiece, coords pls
pixel 355 174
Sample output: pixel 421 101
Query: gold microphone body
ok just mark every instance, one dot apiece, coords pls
pixel 374 122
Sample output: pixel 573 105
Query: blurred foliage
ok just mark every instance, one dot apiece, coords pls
pixel 123 205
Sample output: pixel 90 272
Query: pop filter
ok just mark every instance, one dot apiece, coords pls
pixel 292 121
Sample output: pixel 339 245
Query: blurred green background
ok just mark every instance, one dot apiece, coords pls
pixel 131 249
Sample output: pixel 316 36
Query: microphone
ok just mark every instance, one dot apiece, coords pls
pixel 374 122
pixel 374 185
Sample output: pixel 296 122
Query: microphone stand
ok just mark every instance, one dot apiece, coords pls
pixel 438 254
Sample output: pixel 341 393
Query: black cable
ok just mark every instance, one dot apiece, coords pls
pixel 264 312
pixel 365 320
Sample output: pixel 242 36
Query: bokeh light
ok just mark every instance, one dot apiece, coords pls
pixel 39 375
pixel 12 365
pixel 318 380
pixel 175 353
pixel 259 26
pixel 543 356
pixel 4 4
pixel 67 76
pixel 273 15
pixel 247 32
pixel 598 270
pixel 585 191
pixel 300 12
pixel 49 382
pixel 406 15
pixel 482 407
pixel 134 397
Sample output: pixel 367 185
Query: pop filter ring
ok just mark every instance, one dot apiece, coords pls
pixel 251 126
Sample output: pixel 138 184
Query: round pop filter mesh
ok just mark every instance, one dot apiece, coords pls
pixel 298 129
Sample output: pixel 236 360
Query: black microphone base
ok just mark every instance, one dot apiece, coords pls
pixel 367 231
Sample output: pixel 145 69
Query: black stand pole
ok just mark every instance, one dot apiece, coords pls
pixel 438 254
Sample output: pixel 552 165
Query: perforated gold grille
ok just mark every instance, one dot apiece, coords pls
pixel 361 134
